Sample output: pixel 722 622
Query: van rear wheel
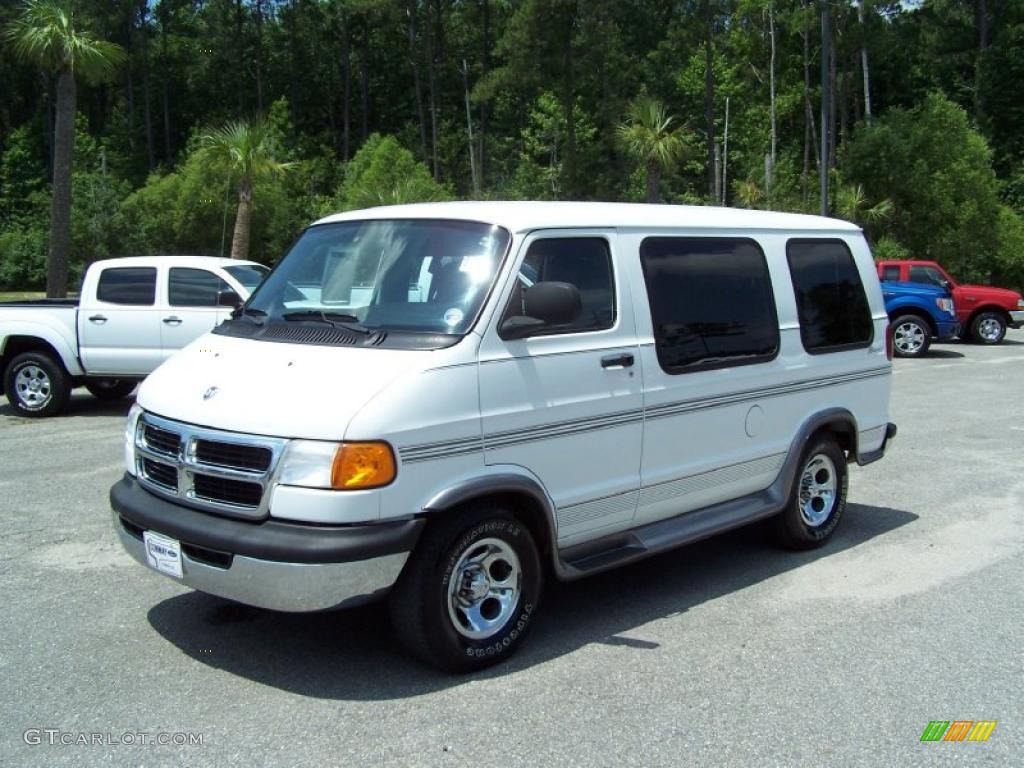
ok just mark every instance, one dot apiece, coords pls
pixel 818 499
pixel 470 589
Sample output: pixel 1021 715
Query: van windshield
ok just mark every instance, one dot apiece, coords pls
pixel 419 275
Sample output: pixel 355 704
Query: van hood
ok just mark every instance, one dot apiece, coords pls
pixel 279 390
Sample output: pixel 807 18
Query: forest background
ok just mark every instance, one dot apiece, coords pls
pixel 364 102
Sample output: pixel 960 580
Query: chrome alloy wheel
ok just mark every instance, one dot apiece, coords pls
pixel 33 387
pixel 817 490
pixel 908 338
pixel 990 329
pixel 484 589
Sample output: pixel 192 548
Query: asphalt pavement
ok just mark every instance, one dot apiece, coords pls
pixel 725 653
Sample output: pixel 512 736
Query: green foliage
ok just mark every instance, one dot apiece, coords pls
pixel 248 150
pixel 383 172
pixel 22 257
pixel 888 249
pixel 937 171
pixel 1008 269
pixel 48 33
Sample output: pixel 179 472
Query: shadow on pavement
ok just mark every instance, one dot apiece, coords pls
pixel 353 655
pixel 81 403
pixel 944 354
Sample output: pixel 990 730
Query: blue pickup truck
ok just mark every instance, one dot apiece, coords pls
pixel 918 314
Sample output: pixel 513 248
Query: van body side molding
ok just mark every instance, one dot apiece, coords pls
pixel 626 546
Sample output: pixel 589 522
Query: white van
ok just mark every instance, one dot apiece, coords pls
pixel 455 401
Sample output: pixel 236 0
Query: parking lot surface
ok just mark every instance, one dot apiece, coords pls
pixel 728 652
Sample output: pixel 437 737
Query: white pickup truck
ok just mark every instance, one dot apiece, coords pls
pixel 133 314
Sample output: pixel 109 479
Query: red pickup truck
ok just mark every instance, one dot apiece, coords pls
pixel 984 312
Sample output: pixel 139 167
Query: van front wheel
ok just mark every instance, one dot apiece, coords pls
pixel 469 591
pixel 818 500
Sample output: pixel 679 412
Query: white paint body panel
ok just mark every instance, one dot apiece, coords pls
pixel 464 413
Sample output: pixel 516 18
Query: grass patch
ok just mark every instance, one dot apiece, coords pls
pixel 27 295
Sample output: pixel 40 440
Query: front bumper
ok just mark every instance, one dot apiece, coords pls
pixel 947 330
pixel 271 564
pixel 1016 318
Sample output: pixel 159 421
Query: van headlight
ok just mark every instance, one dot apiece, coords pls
pixel 339 466
pixel 130 428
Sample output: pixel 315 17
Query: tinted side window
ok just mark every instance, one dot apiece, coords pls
pixel 711 300
pixel 127 285
pixel 891 274
pixel 830 298
pixel 926 275
pixel 584 262
pixel 194 288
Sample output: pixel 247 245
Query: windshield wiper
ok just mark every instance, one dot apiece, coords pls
pixel 336 319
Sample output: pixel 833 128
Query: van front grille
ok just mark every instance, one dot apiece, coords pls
pixel 234 455
pixel 212 470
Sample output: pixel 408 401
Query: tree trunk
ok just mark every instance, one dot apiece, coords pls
pixel 770 170
pixel 832 97
pixel 808 115
pixel 862 15
pixel 239 53
pixel 165 78
pixel 484 105
pixel 346 92
pixel 469 132
pixel 146 110
pixel 258 18
pixel 60 210
pixel 981 16
pixel 417 86
pixel 653 181
pixel 240 239
pixel 826 35
pixel 709 94
pixel 364 84
pixel 432 58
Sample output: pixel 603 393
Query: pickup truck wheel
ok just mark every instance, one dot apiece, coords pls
pixel 911 336
pixel 818 499
pixel 470 589
pixel 988 328
pixel 36 384
pixel 110 389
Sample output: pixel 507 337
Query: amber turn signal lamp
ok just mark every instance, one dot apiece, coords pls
pixel 362 465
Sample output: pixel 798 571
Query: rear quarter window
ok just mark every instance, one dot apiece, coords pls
pixel 830 298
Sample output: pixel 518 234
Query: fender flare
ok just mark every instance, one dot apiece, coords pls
pixel 49 337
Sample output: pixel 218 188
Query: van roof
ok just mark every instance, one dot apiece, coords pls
pixel 173 259
pixel 525 216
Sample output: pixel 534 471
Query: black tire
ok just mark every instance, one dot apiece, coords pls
pixel 988 328
pixel 911 336
pixel 110 389
pixel 804 523
pixel 425 609
pixel 36 384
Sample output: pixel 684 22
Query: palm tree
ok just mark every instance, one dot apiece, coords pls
pixel 647 135
pixel 48 34
pixel 248 149
pixel 852 205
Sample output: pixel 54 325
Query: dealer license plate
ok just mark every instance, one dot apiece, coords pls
pixel 163 553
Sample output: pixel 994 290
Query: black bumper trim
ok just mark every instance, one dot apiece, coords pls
pixel 275 540
pixel 871 456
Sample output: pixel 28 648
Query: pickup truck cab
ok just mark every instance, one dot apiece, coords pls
pixel 133 313
pixel 984 312
pixel 918 315
pixel 456 401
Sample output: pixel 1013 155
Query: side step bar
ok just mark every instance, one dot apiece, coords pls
pixel 618 549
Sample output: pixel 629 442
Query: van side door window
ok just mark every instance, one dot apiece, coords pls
pixel 584 262
pixel 830 299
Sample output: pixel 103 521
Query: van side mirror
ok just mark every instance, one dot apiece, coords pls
pixel 546 304
pixel 228 298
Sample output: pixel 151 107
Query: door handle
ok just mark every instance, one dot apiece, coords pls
pixel 617 361
pixel 98 319
pixel 172 320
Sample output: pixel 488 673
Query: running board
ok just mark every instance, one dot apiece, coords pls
pixel 663 535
